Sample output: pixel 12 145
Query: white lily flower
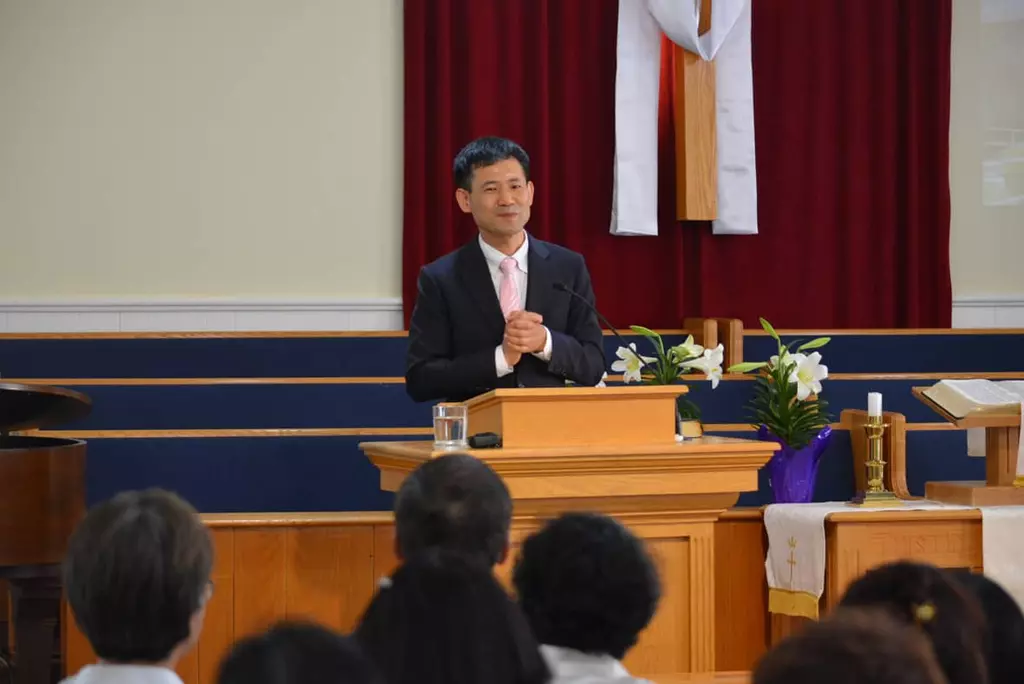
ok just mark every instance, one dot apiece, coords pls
pixel 687 350
pixel 710 363
pixel 787 358
pixel 629 363
pixel 604 376
pixel 808 374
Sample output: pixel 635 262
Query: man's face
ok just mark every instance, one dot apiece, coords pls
pixel 500 198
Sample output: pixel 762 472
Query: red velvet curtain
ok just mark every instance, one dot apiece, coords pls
pixel 851 116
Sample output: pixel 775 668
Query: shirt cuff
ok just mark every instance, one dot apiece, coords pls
pixel 500 364
pixel 545 354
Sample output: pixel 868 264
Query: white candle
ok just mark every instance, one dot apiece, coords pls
pixel 874 404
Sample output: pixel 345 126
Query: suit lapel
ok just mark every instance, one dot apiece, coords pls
pixel 540 278
pixel 472 270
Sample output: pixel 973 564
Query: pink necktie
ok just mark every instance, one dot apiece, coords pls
pixel 508 293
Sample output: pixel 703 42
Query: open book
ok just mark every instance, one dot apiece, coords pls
pixel 962 398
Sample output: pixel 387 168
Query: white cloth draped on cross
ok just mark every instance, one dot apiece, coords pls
pixel 727 42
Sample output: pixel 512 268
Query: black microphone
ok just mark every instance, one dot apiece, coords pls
pixel 562 287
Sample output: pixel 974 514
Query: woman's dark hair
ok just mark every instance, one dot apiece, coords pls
pixel 923 595
pixel 443 619
pixel 137 570
pixel 586 582
pixel 297 653
pixel 852 646
pixel 1005 620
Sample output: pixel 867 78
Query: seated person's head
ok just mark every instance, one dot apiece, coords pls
pixel 297 653
pixel 853 646
pixel 137 577
pixel 443 619
pixel 925 596
pixel 586 583
pixel 1005 652
pixel 455 503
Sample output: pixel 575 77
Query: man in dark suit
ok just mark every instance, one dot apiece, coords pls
pixel 488 314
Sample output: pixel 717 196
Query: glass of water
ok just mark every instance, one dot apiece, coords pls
pixel 450 426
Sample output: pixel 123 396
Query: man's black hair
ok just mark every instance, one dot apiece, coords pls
pixel 487 152
pixel 455 503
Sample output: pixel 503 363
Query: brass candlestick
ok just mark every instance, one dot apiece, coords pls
pixel 876 494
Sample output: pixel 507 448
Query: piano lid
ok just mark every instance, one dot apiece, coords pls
pixel 30 407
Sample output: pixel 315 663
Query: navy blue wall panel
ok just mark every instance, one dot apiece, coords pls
pixel 167 407
pixel 224 475
pixel 212 357
pixel 934 456
pixel 203 357
pixel 945 353
pixel 330 473
pixel 727 403
pixel 385 356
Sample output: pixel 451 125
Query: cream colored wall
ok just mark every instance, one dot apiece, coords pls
pixel 252 148
pixel 987 242
pixel 200 148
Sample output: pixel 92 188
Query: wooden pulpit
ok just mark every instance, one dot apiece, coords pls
pixel 42 499
pixel 614 450
pixel 1002 433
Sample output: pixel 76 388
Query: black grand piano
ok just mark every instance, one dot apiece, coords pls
pixel 42 498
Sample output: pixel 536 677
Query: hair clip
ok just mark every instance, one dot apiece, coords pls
pixel 924 612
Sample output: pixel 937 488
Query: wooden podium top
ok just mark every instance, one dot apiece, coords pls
pixel 973 421
pixel 708 465
pixel 709 445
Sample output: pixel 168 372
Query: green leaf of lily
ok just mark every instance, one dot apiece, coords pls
pixel 747 366
pixel 814 344
pixel 769 329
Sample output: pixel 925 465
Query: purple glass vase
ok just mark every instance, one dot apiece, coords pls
pixel 793 472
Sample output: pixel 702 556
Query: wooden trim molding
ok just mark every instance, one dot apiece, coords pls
pixel 386 333
pixel 145 382
pixel 267 432
pixel 248 520
pixel 121 315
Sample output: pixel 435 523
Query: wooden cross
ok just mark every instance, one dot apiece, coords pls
pixel 694 123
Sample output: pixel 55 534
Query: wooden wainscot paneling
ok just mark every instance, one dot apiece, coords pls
pixel 325 567
pixel 741 590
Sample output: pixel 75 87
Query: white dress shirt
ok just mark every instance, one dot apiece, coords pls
pixel 521 276
pixel 569 666
pixel 104 673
